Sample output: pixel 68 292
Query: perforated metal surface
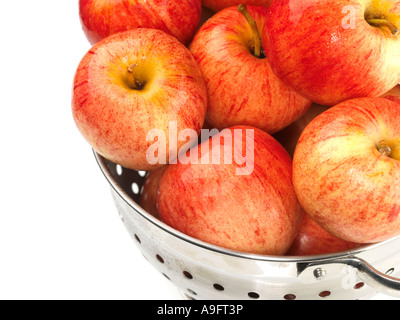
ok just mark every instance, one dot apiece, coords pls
pixel 203 271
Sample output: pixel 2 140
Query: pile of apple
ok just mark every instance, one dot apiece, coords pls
pixel 313 83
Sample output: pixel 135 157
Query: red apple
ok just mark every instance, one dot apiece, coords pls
pixel 312 239
pixel 148 197
pixel 242 88
pixel 101 18
pixel 248 205
pixel 289 136
pixel 393 94
pixel 346 170
pixel 334 50
pixel 218 5
pixel 131 83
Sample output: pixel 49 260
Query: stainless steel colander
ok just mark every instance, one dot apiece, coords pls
pixel 203 271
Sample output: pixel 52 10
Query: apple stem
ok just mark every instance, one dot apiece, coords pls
pixel 384 23
pixel 136 83
pixel 256 35
pixel 384 149
pixel 132 67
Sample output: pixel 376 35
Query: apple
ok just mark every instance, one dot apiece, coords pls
pixel 393 94
pixel 312 239
pixel 148 196
pixel 289 136
pixel 242 88
pixel 101 18
pixel 346 170
pixel 248 205
pixel 334 50
pixel 131 83
pixel 218 5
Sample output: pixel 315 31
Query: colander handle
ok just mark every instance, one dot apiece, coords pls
pixel 374 278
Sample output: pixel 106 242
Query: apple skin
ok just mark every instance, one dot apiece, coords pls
pixel 148 196
pixel 393 94
pixel 311 51
pixel 289 136
pixel 341 179
pixel 101 18
pixel 242 89
pixel 255 213
pixel 312 240
pixel 114 118
pixel 218 5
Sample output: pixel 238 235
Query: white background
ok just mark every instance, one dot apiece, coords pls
pixel 60 234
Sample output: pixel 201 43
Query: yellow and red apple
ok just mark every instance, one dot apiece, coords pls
pixel 334 50
pixel 257 212
pixel 312 239
pixel 101 18
pixel 346 170
pixel 131 83
pixel 242 88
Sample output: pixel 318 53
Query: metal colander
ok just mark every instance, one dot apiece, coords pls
pixel 203 271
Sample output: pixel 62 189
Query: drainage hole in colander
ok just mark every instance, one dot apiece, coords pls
pixel 142 173
pixel 324 294
pixel 135 188
pixel 187 274
pixel 118 168
pixel 137 238
pixel 192 292
pixel 218 287
pixel 358 285
pixel 159 258
pixel 289 296
pixel 253 295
